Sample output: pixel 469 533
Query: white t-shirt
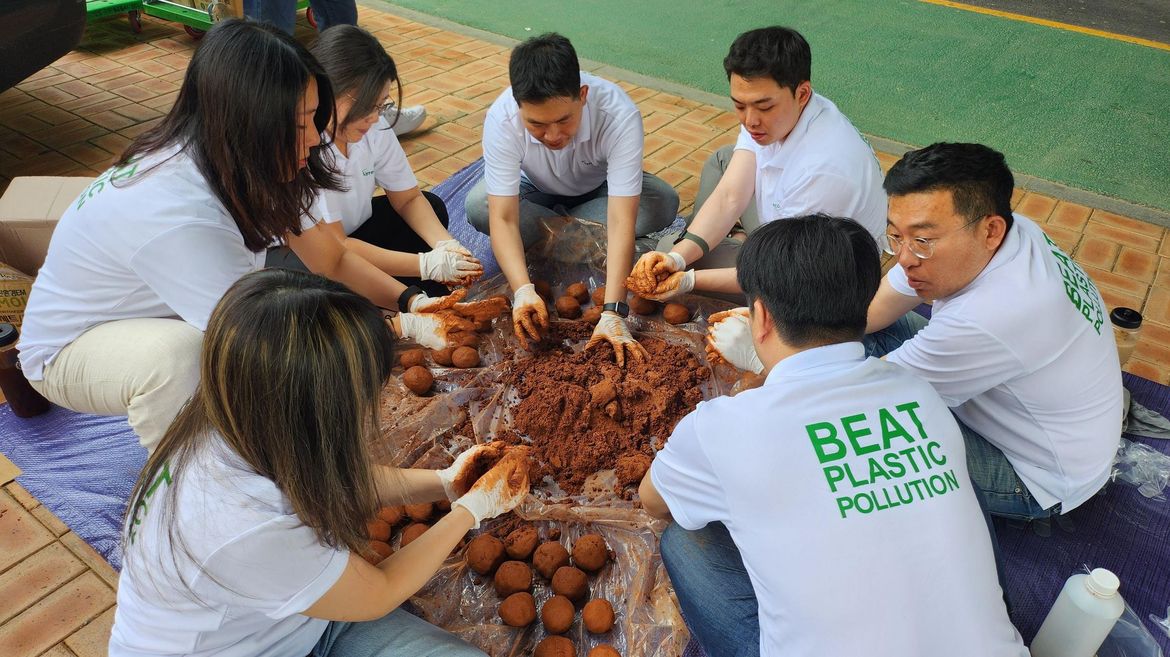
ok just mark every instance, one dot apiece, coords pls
pixel 606 148
pixel 843 482
pixel 1025 356
pixel 377 159
pixel 823 165
pixel 156 245
pixel 252 566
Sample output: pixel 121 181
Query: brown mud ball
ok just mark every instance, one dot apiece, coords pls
pixel 420 512
pixel 568 307
pixel 578 291
pixel 512 577
pixel 570 582
pixel 598 616
pixel 599 295
pixel 443 506
pixel 518 609
pixel 392 515
pixel 378 530
pixel 590 553
pixel 631 467
pixel 557 614
pixel 548 557
pixel 413 531
pixel 593 315
pixel 521 542
pixel 543 289
pixel 378 550
pixel 412 357
pixel 555 646
pixel 676 313
pixel 442 356
pixel 418 379
pixel 604 650
pixel 485 553
pixel 640 306
pixel 470 340
pixel 465 357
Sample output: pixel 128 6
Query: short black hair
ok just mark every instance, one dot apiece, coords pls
pixel 544 67
pixel 776 52
pixel 977 177
pixel 816 275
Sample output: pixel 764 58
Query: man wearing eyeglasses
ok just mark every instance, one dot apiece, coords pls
pixel 1019 343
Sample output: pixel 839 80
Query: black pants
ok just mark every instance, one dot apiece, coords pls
pixel 385 228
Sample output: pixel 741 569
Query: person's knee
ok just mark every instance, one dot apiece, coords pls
pixel 439 207
pixel 476 207
pixel 177 364
pixel 658 206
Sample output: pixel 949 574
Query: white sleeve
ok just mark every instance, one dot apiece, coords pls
pixel 958 357
pixel 392 171
pixel 319 212
pixel 190 267
pixel 898 281
pixel 823 192
pixel 682 474
pixel 503 151
pixel 624 172
pixel 745 142
pixel 279 568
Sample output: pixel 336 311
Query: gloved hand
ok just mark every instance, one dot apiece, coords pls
pixel 612 328
pixel 431 330
pixel 651 269
pixel 529 314
pixel 421 303
pixel 469 467
pixel 500 489
pixel 485 309
pixel 729 339
pixel 680 282
pixel 447 265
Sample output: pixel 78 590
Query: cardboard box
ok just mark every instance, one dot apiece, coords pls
pixel 14 288
pixel 29 211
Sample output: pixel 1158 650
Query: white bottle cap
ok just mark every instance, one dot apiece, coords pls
pixel 1102 583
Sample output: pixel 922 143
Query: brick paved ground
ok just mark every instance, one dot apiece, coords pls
pixel 73 117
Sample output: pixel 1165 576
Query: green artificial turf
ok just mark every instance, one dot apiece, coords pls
pixel 1085 111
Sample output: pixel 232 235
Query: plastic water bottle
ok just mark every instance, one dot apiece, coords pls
pixel 1085 611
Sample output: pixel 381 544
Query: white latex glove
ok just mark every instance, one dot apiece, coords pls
pixel 529 314
pixel 729 339
pixel 468 468
pixel 448 263
pixel 421 303
pixel 500 489
pixel 673 285
pixel 612 328
pixel 650 269
pixel 431 329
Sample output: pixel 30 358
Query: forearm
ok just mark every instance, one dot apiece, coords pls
pixel 407 485
pixel 394 263
pixel 366 279
pixel 417 212
pixel 712 224
pixel 507 245
pixel 411 567
pixel 621 216
pixel 717 280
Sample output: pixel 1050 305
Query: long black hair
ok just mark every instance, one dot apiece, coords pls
pixel 236 117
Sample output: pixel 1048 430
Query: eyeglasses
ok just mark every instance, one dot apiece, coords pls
pixel 380 108
pixel 921 247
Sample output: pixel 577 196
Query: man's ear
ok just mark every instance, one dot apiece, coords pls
pixel 996 228
pixel 761 321
pixel 584 92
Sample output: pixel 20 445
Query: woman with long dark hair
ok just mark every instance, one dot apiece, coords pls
pixel 245 531
pixel 404 232
pixel 135 266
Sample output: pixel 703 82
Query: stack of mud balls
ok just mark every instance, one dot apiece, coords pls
pixel 414 519
pixel 570 305
pixel 568 577
pixel 463 354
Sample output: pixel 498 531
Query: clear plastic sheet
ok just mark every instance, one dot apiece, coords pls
pixel 1144 467
pixel 1129 637
pixel 471 406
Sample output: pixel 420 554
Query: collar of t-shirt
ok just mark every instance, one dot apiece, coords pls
pixel 817 361
pixel 584 130
pixel 776 155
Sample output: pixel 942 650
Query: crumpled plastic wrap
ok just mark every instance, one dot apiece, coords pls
pixel 1129 637
pixel 1144 467
pixel 471 406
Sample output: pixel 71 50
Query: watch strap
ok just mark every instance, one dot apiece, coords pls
pixel 408 294
pixel 619 307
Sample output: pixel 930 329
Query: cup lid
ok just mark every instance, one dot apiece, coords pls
pixel 1126 318
pixel 1102 583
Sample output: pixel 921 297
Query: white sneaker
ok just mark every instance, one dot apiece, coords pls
pixel 405 120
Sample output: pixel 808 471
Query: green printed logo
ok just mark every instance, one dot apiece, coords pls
pixel 367 172
pixel 896 447
pixel 110 176
pixel 136 518
pixel 1079 287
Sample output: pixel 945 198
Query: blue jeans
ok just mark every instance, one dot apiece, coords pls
pixel 283 13
pixel 713 588
pixel 657 207
pixel 397 633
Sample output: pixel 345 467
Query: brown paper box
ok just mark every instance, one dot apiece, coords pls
pixel 29 211
pixel 14 287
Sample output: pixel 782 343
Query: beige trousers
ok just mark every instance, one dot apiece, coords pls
pixel 145 369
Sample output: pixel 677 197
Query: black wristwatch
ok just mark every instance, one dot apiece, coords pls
pixel 619 307
pixel 408 294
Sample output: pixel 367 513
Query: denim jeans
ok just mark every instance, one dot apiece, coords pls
pixel 657 207
pixel 713 588
pixel 283 13
pixel 397 633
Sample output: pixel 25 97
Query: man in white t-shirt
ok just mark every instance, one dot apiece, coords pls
pixel 563 142
pixel 797 154
pixel 828 512
pixel 1019 343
